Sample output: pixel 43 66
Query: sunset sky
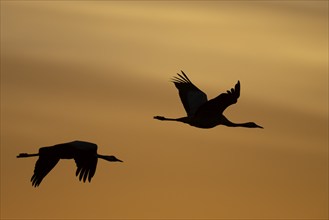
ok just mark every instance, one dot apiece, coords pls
pixel 100 70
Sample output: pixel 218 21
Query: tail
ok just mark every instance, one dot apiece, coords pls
pixel 26 155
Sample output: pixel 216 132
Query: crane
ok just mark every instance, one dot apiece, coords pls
pixel 84 154
pixel 201 112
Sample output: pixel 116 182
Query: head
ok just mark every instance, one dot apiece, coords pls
pixel 252 125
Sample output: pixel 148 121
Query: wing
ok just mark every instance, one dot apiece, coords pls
pixel 217 105
pixel 86 166
pixel 42 167
pixel 191 97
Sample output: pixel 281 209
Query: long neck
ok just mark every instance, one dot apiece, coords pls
pixel 109 158
pixel 26 155
pixel 104 157
pixel 228 123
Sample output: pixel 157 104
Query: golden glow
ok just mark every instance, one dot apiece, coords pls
pixel 99 71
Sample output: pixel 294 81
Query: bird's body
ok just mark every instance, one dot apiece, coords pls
pixel 84 154
pixel 204 113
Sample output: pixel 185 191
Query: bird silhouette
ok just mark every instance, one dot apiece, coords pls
pixel 202 113
pixel 84 154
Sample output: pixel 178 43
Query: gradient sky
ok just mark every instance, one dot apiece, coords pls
pixel 100 71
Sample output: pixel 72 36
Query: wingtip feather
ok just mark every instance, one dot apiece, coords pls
pixel 237 86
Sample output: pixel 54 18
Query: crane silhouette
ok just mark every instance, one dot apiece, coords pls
pixel 84 154
pixel 202 113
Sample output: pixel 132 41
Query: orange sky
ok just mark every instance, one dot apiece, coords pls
pixel 100 71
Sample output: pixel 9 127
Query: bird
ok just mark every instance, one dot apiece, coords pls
pixel 84 154
pixel 201 112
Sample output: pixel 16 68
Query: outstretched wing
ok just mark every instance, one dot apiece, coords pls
pixel 86 165
pixel 217 105
pixel 191 97
pixel 42 167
